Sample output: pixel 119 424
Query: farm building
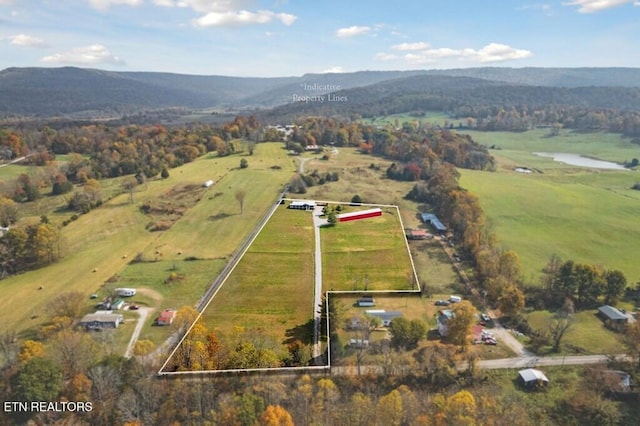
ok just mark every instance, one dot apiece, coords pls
pixel 417 234
pixel 117 304
pixel 166 317
pixel 362 214
pixel 101 320
pixel 302 205
pixel 612 315
pixel 432 219
pixel 443 319
pixel 385 317
pixel 531 378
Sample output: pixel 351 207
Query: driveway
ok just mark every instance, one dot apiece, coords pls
pixel 143 314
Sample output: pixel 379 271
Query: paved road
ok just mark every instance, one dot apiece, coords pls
pixel 495 364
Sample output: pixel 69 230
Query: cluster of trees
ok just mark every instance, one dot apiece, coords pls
pixel 583 285
pixel 498 271
pixel 203 350
pixel 23 248
pixel 300 182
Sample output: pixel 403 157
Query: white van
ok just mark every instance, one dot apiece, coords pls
pixel 455 299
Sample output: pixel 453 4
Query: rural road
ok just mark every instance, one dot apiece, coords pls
pixel 494 364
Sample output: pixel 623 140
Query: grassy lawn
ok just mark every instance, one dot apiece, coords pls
pixel 587 332
pixel 433 266
pixel 271 289
pixel 431 117
pixel 370 252
pixel 100 244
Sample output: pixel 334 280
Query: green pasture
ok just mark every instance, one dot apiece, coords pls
pixel 587 216
pixel 272 287
pixel 369 253
pixel 520 146
pixel 587 332
pixel 101 243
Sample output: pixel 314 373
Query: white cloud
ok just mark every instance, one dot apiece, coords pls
pixel 89 55
pixel 411 46
pixel 206 6
pixel 493 52
pixel 27 40
pixel 6 2
pixel 381 56
pixel 105 4
pixel 333 70
pixel 352 31
pixel 591 6
pixel 243 17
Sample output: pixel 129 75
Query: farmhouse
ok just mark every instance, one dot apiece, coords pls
pixel 362 214
pixel 101 320
pixel 385 317
pixel 531 378
pixel 302 205
pixel 166 317
pixel 443 319
pixel 612 315
pixel 432 219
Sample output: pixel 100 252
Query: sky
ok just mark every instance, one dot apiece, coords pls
pixel 269 38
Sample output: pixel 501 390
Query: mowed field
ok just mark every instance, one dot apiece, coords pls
pixel 371 183
pixel 271 288
pixel 100 244
pixel 587 215
pixel 369 254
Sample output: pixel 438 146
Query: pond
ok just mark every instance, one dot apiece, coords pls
pixel 579 160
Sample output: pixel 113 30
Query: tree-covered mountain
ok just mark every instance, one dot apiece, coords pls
pixel 78 92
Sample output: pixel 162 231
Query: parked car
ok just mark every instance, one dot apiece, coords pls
pixel 485 318
pixel 134 307
pixel 490 341
pixel 442 303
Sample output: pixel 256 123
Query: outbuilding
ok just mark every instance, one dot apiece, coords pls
pixel 385 316
pixel 361 214
pixel 302 205
pixel 532 378
pixel 432 219
pixel 612 315
pixel 166 317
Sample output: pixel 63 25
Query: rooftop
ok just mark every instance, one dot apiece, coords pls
pixel 612 313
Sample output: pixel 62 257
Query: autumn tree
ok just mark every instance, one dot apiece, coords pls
pixel 69 304
pixel 276 416
pixel 389 409
pixel 459 326
pixel 129 185
pixel 241 194
pixel 8 211
pixel 31 349
pixel 512 301
pixel 407 333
